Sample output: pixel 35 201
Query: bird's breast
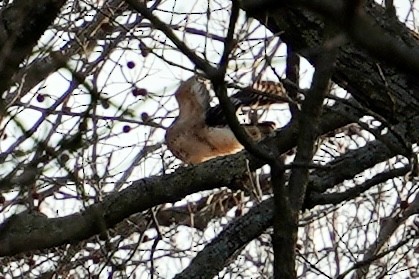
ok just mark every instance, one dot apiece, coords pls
pixel 197 143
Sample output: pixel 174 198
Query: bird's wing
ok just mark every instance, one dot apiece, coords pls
pixel 261 94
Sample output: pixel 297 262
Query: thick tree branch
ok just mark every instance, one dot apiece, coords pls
pixel 246 228
pixel 387 229
pixel 336 198
pixel 213 258
pixel 376 85
pixel 288 203
pixel 143 194
pixel 38 232
pixel 337 171
pixel 368 156
pixel 18 234
pixel 361 28
pixel 308 124
pixel 22 23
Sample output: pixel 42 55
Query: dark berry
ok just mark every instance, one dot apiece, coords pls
pixel 126 129
pixel 142 92
pixel 139 92
pixel 145 117
pixel 130 64
pixel 40 98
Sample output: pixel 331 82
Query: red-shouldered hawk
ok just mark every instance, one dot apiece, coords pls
pixel 200 132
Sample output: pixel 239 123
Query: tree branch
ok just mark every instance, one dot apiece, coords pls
pixel 220 89
pixel 336 198
pixel 374 84
pixel 213 258
pixel 361 28
pixel 144 194
pixel 163 27
pixel 288 202
pixel 22 23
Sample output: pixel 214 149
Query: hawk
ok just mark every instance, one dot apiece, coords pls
pixel 200 132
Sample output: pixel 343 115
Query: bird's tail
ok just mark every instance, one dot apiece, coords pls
pixel 259 131
pixel 260 94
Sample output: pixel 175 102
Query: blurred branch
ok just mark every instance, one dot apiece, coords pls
pixel 373 83
pixel 308 124
pixel 293 74
pixel 22 23
pixel 199 62
pixel 289 201
pixel 361 264
pixel 336 198
pixel 31 74
pixel 361 28
pixel 388 227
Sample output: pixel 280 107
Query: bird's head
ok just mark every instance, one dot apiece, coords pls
pixel 193 90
